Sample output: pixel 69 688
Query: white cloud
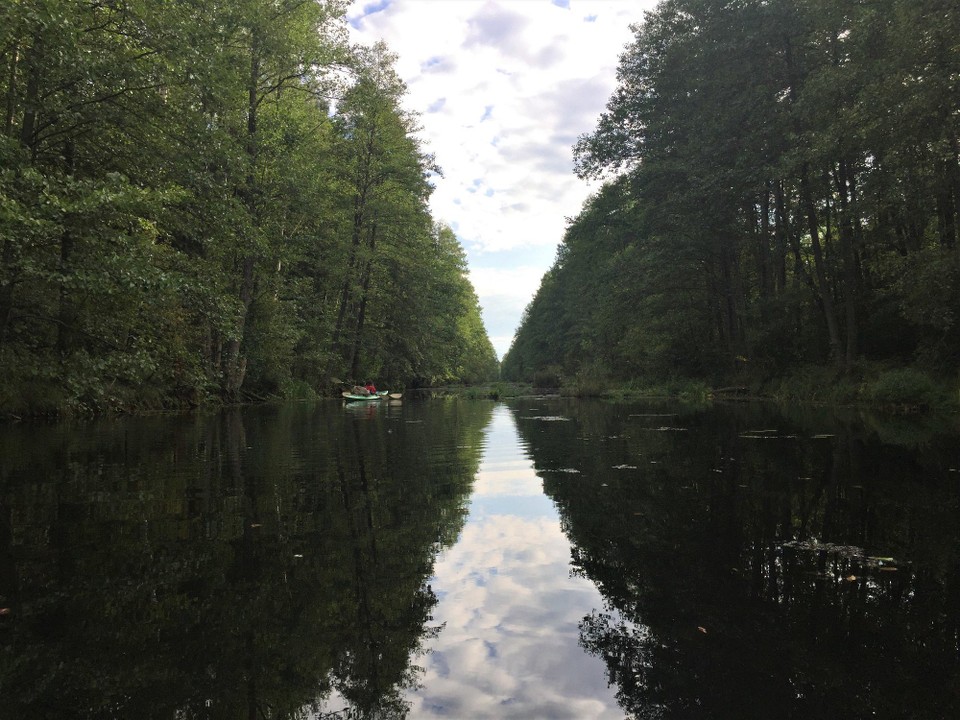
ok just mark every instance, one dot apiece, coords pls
pixel 507 282
pixel 505 88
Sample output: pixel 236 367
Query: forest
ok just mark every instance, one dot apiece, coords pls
pixel 209 201
pixel 779 188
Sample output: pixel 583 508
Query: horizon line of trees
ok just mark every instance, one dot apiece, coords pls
pixel 781 188
pixel 210 200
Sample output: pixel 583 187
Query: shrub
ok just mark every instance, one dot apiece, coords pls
pixel 905 388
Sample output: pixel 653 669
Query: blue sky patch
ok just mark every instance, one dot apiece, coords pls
pixel 487 113
pixel 437 105
pixel 369 9
pixel 565 4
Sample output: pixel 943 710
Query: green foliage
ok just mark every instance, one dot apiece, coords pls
pixel 906 388
pixel 183 219
pixel 781 192
pixel 815 383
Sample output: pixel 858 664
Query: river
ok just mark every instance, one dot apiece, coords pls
pixel 441 557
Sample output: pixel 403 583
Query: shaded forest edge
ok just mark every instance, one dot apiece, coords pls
pixel 206 203
pixel 901 391
pixel 778 211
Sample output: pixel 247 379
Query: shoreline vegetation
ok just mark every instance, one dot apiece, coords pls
pixel 895 391
pixel 900 391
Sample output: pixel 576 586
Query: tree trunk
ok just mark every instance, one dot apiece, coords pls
pixel 235 364
pixel 12 91
pixel 819 268
pixel 948 201
pixel 362 311
pixel 31 100
pixel 64 320
pixel 781 234
pixel 359 204
pixel 763 249
pixel 844 183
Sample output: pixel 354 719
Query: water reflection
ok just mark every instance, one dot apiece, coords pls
pixel 460 559
pixel 754 565
pixel 509 607
pixel 252 564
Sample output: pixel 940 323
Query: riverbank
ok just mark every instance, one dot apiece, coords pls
pixel 900 390
pixel 896 390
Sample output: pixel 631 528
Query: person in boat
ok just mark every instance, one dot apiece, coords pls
pixel 370 388
pixel 360 390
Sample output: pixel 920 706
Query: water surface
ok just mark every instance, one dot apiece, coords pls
pixel 464 559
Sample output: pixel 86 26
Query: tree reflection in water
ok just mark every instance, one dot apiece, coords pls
pixel 254 564
pixel 757 566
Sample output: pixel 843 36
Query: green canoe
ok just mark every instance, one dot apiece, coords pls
pixel 376 396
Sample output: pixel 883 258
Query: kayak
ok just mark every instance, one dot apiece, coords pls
pixel 379 395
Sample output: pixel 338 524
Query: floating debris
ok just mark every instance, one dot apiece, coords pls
pixel 814 545
pixel 821 437
pixel 851 552
pixel 666 428
pixel 546 418
pixel 624 467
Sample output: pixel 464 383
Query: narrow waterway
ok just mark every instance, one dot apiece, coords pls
pixel 442 557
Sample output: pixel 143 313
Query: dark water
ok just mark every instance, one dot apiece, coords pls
pixel 464 559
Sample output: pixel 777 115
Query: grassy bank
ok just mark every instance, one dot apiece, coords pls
pixel 900 390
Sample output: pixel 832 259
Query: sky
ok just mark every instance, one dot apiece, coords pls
pixel 504 88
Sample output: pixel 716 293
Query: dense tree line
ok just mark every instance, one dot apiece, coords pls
pixel 204 199
pixel 781 189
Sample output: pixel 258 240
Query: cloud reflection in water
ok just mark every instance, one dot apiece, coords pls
pixel 509 645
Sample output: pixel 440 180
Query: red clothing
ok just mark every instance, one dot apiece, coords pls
pixel 371 388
